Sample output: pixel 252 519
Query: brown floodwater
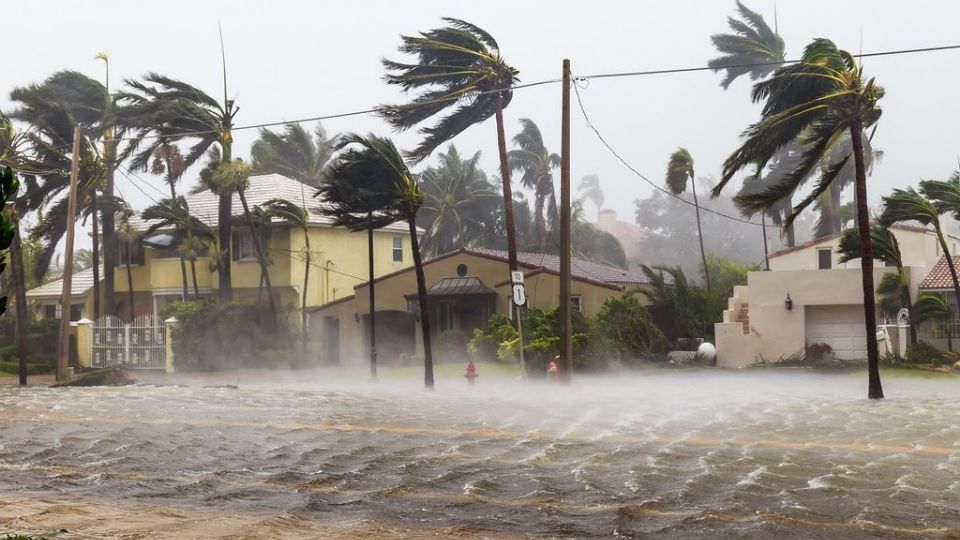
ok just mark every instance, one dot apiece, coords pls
pixel 678 454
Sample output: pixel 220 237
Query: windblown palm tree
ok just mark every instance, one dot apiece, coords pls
pixel 169 110
pixel 679 171
pixel 815 102
pixel 174 213
pixel 909 205
pixel 168 161
pixel 127 234
pixel 294 153
pixel 590 190
pixel 459 69
pixel 296 215
pixel 933 307
pixel 752 49
pixel 536 163
pixel 369 186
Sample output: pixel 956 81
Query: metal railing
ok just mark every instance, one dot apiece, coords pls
pixel 138 345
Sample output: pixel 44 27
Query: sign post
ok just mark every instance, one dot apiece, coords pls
pixel 519 301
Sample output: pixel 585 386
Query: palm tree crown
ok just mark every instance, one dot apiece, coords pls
pixel 752 49
pixel 294 153
pixel 532 158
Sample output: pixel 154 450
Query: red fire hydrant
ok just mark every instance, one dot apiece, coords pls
pixel 552 369
pixel 471 373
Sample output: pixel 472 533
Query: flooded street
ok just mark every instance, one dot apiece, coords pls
pixel 773 454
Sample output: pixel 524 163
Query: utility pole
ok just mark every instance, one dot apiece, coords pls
pixel 566 345
pixel 373 309
pixel 63 358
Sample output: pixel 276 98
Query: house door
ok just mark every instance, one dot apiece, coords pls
pixel 840 327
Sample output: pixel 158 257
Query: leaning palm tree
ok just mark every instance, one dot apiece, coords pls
pixel 168 110
pixel 909 205
pixel 590 190
pixel 369 186
pixel 532 158
pixel 752 49
pixel 814 102
pixel 296 215
pixel 933 307
pixel 294 153
pixel 174 213
pixel 679 171
pixel 886 248
pixel 168 161
pixel 459 69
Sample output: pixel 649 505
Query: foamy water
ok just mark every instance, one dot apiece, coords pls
pixel 673 454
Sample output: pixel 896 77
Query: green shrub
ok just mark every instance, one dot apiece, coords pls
pixel 627 329
pixel 924 353
pixel 41 344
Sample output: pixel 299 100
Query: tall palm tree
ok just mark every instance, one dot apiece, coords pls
pixel 296 216
pixel 752 49
pixel 909 205
pixel 933 307
pixel 886 248
pixel 590 189
pixel 168 161
pixel 532 158
pixel 458 203
pixel 127 234
pixel 234 176
pixel 369 186
pixel 815 102
pixel 169 110
pixel 679 171
pixel 294 153
pixel 191 246
pixel 459 69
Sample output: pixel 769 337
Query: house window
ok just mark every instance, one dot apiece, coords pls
pixel 397 249
pixel 576 302
pixel 824 259
pixel 241 248
pixel 132 251
pixel 50 311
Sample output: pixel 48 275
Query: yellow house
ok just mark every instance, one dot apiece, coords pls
pixel 338 258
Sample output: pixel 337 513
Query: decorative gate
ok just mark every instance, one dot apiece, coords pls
pixel 140 345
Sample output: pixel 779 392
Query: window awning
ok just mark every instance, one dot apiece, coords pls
pixel 160 241
pixel 458 286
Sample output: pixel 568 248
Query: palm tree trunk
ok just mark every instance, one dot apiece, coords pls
pixel 183 279
pixel 373 307
pixel 109 234
pixel 303 302
pixel 20 299
pixel 539 223
pixel 96 254
pixel 766 250
pixel 261 258
pixel 874 388
pixel 424 311
pixel 507 189
pixel 130 282
pixel 703 253
pixel 950 265
pixel 224 230
pixel 193 272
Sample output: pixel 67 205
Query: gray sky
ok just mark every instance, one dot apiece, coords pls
pixel 296 59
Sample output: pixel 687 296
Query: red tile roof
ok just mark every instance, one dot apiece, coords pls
pixel 939 277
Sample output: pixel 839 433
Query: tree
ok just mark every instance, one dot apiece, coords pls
pixel 170 110
pixel 127 234
pixel 294 153
pixel 752 49
pixel 933 307
pixel 174 213
pixel 536 163
pixel 295 215
pixel 626 327
pixel 458 67
pixel 909 205
pixel 8 225
pixel 234 176
pixel 82 259
pixel 679 170
pixel 815 102
pixel 886 248
pixel 458 203
pixel 168 161
pixel 369 186
pixel 590 190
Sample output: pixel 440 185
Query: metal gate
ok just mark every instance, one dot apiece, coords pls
pixel 139 345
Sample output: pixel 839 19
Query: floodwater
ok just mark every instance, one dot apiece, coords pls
pixel 759 453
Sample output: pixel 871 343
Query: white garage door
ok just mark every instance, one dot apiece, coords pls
pixel 841 327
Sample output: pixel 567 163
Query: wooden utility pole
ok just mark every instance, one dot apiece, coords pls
pixel 63 358
pixel 566 345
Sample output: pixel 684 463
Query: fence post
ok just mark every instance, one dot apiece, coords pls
pixel 84 342
pixel 168 326
pixel 126 343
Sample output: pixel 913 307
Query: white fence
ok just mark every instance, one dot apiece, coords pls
pixel 138 345
pixel 938 330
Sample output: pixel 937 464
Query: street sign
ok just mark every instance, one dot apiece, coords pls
pixel 519 296
pixel 516 277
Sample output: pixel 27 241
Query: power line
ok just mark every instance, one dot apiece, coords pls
pixel 656 186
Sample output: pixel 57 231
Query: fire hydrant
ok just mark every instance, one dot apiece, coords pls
pixel 471 373
pixel 552 369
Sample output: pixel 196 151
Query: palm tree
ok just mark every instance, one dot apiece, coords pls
pixel 168 161
pixel 458 203
pixel 886 248
pixel 459 68
pixel 536 163
pixel 234 176
pixel 169 110
pixel 82 259
pixel 190 249
pixel 590 190
pixel 174 213
pixel 296 216
pixel 815 102
pixel 909 205
pixel 369 186
pixel 933 307
pixel 294 153
pixel 679 171
pixel 752 49
pixel 127 234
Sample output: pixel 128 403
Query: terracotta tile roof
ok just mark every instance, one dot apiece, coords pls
pixel 939 277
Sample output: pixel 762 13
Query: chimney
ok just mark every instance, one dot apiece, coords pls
pixel 606 219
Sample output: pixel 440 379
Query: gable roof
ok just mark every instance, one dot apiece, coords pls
pixel 829 237
pixel 939 276
pixel 204 205
pixel 80 285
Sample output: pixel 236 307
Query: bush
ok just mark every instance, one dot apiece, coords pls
pixel 924 353
pixel 627 329
pixel 213 336
pixel 41 344
pixel 819 351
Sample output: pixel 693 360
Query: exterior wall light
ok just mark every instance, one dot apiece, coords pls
pixel 788 302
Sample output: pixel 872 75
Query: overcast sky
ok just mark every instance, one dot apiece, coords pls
pixel 295 59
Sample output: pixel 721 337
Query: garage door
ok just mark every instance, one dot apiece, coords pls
pixel 841 327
